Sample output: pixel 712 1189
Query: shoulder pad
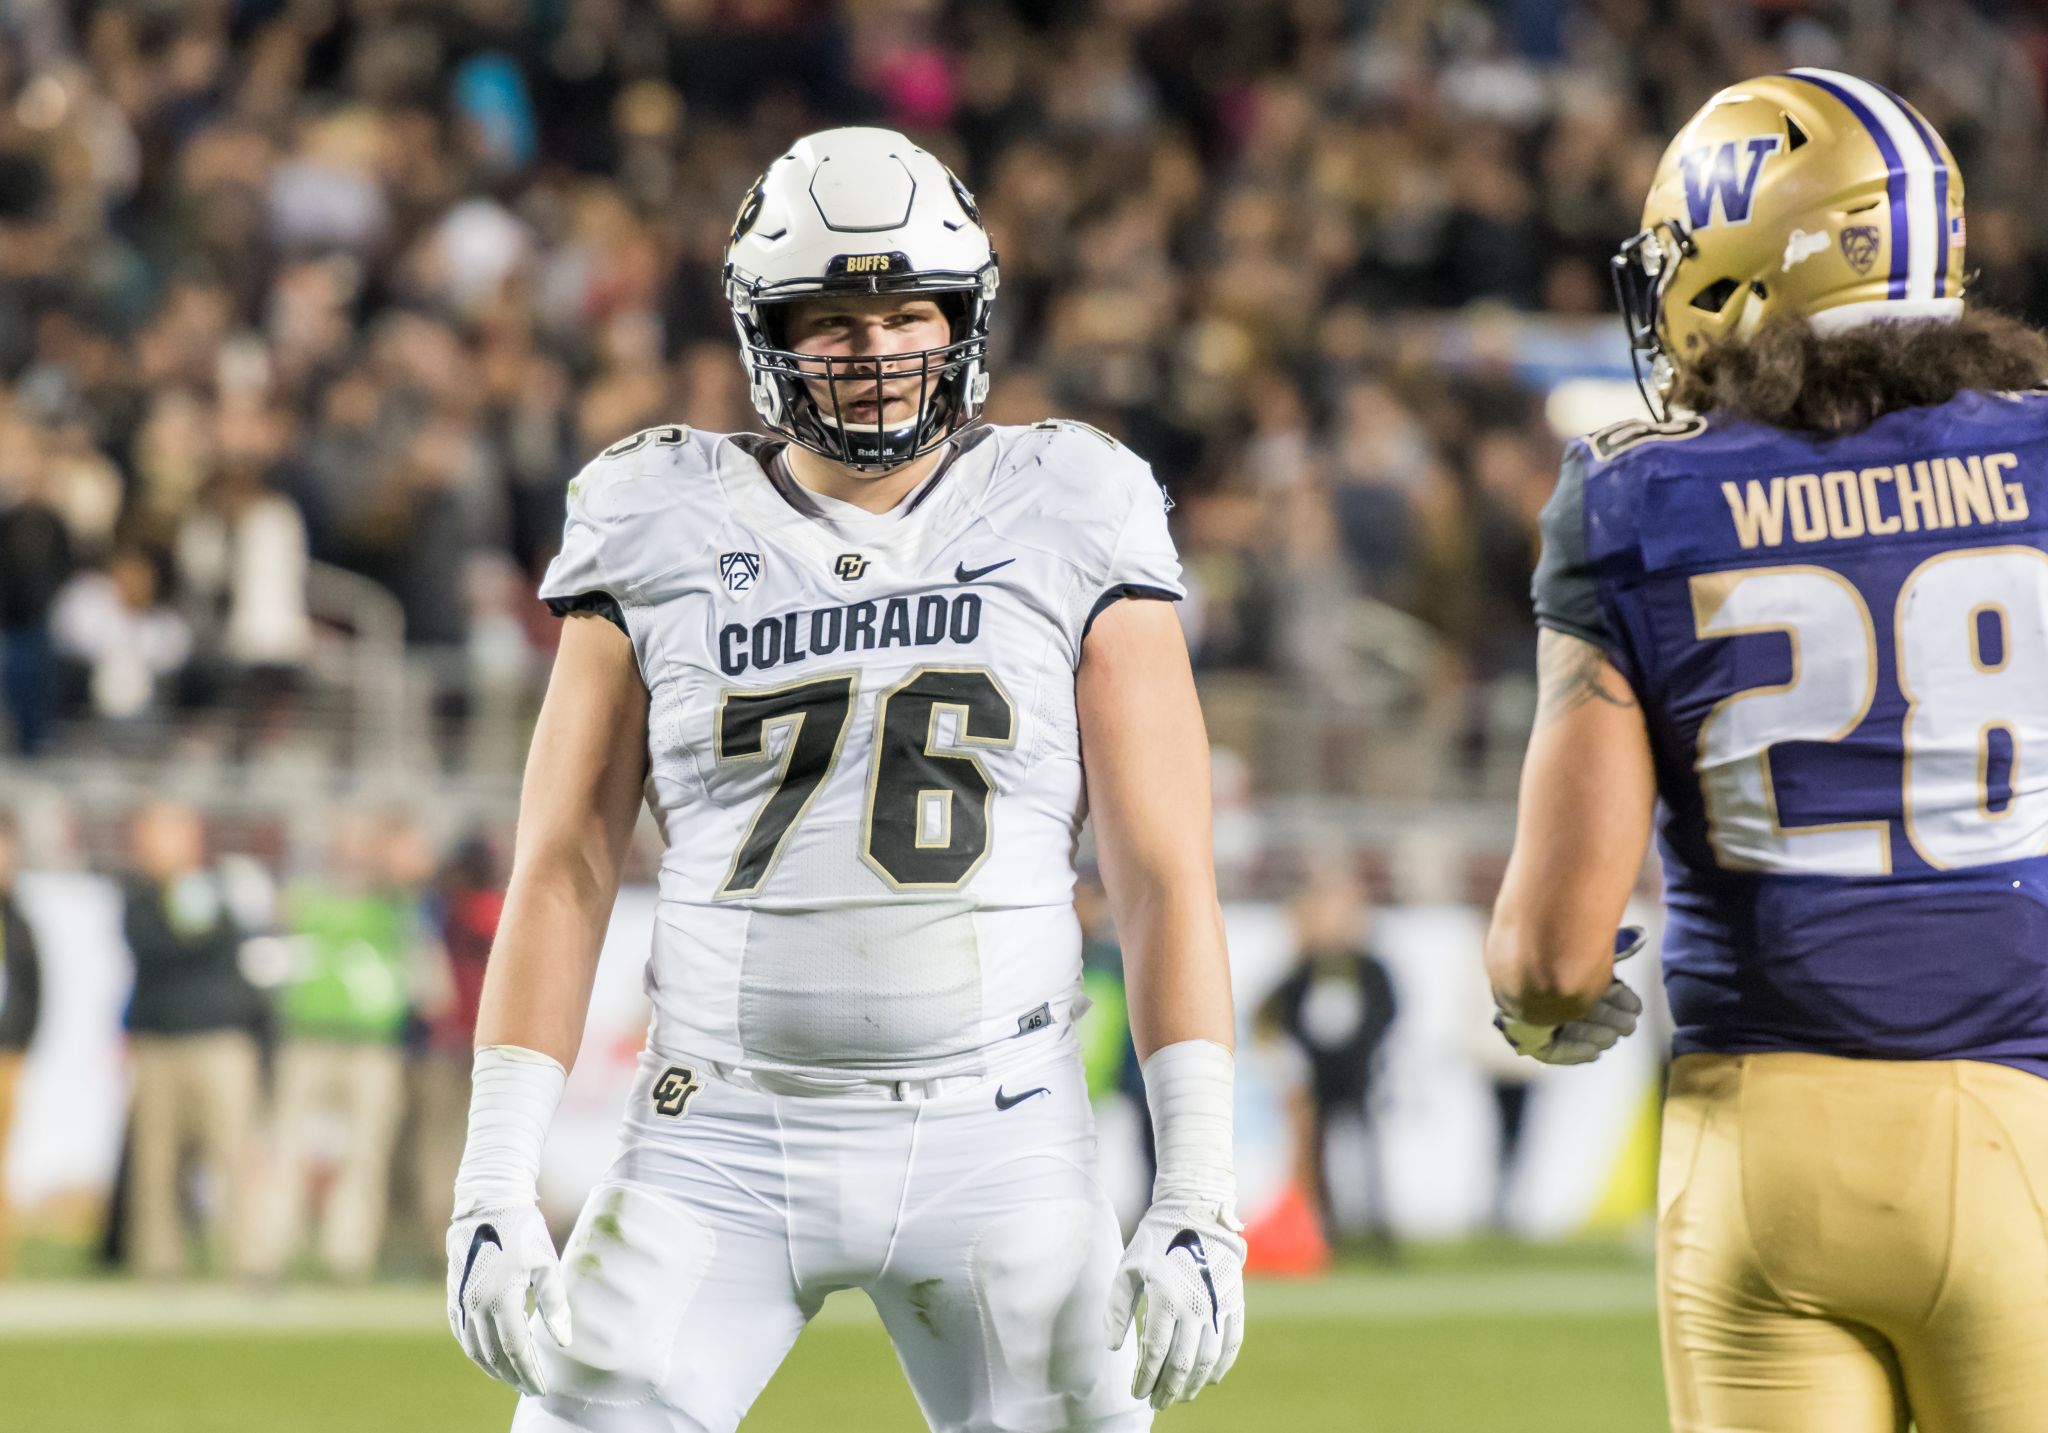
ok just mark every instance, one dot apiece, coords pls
pixel 1077 457
pixel 1075 492
pixel 1618 438
pixel 1070 473
pixel 1565 587
pixel 1077 427
pixel 636 510
pixel 639 468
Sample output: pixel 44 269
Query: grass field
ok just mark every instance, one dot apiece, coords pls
pixel 1527 1344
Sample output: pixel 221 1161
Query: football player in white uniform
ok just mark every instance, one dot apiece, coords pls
pixel 854 669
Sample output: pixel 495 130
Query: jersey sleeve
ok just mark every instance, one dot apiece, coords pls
pixel 579 579
pixel 1565 590
pixel 614 537
pixel 1143 562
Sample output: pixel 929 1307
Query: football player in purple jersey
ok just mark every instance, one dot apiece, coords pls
pixel 1800 625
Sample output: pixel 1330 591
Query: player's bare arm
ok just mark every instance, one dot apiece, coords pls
pixel 577 806
pixel 1146 759
pixel 1146 756
pixel 576 811
pixel 1581 827
pixel 1571 672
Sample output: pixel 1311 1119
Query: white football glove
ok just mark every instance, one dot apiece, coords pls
pixel 1187 1259
pixel 494 1257
pixel 499 1247
pixel 1586 1039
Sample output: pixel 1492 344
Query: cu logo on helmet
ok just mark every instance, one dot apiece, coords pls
pixel 673 1090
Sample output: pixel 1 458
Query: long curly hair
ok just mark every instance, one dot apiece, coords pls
pixel 1787 375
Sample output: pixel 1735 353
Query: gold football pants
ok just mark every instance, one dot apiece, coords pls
pixel 1850 1246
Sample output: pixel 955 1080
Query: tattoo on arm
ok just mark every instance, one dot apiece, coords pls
pixel 1571 672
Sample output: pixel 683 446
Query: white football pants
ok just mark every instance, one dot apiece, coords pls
pixel 734 1207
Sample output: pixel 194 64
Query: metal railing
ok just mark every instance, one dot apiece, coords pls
pixel 369 666
pixel 1384 715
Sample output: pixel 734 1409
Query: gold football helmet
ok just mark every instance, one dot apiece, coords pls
pixel 1810 192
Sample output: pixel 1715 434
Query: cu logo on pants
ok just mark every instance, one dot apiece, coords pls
pixel 673 1090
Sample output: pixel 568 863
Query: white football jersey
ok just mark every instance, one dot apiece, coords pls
pixel 865 758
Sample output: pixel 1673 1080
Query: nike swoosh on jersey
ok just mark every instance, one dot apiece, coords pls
pixel 963 573
pixel 1004 1102
pixel 485 1233
pixel 1189 1240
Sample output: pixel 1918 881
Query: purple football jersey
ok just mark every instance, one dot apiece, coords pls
pixel 1841 649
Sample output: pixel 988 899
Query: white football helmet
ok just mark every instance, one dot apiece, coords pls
pixel 861 211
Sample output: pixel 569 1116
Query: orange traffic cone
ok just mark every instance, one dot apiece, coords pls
pixel 1286 1240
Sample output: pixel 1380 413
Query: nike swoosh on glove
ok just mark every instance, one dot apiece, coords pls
pixel 1187 1260
pixel 494 1257
pixel 1586 1039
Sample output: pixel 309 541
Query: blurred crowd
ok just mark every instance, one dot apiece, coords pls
pixel 360 283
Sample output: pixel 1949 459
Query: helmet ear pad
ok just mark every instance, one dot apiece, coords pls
pixel 758 325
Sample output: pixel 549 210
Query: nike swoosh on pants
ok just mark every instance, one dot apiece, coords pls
pixel 1004 1102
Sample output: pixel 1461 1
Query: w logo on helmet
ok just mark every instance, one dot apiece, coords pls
pixel 1728 172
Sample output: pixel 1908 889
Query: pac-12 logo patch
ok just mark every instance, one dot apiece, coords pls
pixel 673 1090
pixel 739 569
pixel 1859 246
pixel 850 566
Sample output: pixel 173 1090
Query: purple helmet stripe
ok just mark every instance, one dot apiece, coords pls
pixel 1895 188
pixel 1940 192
